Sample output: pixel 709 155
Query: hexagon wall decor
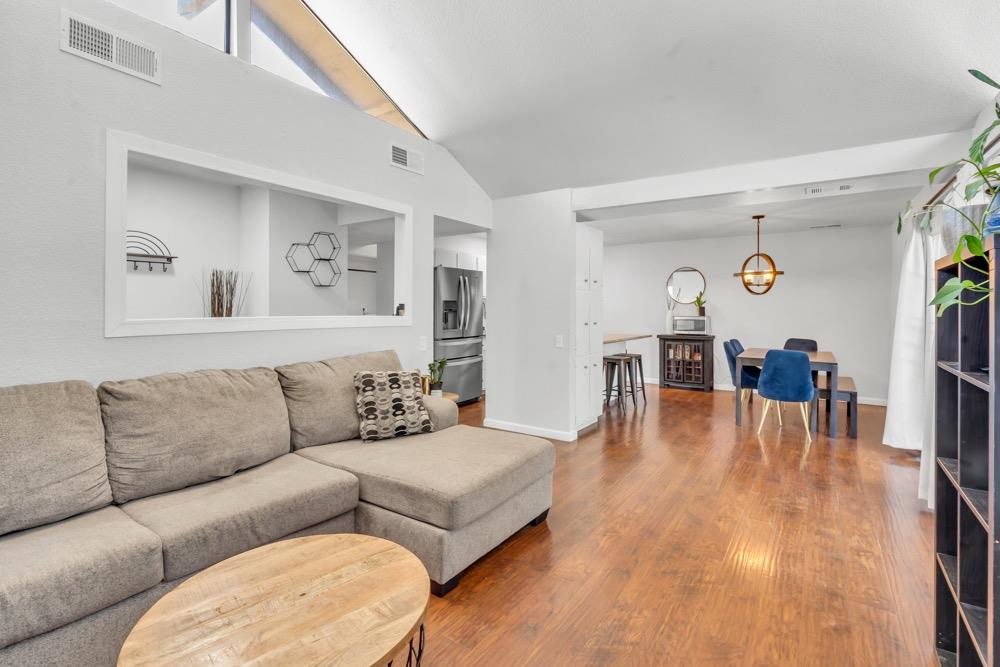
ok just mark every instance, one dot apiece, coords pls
pixel 317 258
pixel 325 274
pixel 324 245
pixel 300 258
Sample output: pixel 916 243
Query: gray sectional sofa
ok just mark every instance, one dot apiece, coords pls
pixel 110 498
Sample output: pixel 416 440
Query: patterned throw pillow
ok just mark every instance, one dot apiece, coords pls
pixel 390 404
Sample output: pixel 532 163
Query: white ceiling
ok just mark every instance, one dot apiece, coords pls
pixel 702 220
pixel 532 96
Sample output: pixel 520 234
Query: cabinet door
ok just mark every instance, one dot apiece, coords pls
pixel 466 260
pixel 582 257
pixel 596 258
pixel 583 403
pixel 596 385
pixel 581 341
pixel 596 323
pixel 481 266
pixel 447 258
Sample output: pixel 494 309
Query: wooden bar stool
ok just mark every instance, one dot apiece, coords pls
pixel 614 366
pixel 634 362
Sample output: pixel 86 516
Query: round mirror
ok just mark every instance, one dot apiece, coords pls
pixel 685 284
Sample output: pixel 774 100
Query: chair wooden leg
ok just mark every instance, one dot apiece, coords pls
pixel 805 421
pixel 767 406
pixel 778 412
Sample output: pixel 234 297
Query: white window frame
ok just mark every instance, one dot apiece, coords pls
pixel 116 323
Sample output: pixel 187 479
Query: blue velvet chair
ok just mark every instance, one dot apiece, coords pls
pixel 750 375
pixel 787 378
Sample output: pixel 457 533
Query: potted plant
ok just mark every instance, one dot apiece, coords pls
pixel 436 369
pixel 985 181
pixel 700 302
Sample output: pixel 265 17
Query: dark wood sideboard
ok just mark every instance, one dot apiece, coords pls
pixel 686 361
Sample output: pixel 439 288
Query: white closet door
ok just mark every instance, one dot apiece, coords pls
pixel 595 252
pixel 584 405
pixel 596 389
pixel 596 323
pixel 582 257
pixel 581 341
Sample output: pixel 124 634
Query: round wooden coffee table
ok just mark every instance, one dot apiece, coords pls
pixel 320 600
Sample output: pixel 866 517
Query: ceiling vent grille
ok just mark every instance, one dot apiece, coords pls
pixel 813 190
pixel 407 159
pixel 82 37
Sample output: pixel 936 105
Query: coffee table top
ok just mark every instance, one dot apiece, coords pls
pixel 321 600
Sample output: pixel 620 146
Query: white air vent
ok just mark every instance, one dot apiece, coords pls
pixel 813 190
pixel 407 159
pixel 82 37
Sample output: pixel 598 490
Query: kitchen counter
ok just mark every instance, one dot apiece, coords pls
pixel 612 338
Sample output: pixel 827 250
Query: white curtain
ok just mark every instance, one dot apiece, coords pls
pixel 909 417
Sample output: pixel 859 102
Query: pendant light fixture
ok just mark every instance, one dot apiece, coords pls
pixel 759 271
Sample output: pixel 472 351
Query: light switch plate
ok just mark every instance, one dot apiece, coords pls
pixel 560 341
pixel 421 343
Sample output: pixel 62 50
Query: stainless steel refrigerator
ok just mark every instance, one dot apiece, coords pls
pixel 458 329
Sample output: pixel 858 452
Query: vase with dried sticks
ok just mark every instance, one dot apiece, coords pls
pixel 224 293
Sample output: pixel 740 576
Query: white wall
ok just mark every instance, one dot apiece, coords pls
pixel 294 219
pixel 361 293
pixel 531 250
pixel 56 114
pixel 385 278
pixel 199 221
pixel 836 289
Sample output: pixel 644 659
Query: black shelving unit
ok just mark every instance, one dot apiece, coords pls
pixel 686 361
pixel 965 567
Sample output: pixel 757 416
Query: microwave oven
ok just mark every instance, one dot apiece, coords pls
pixel 691 324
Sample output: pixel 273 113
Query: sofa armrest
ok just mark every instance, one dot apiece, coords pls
pixel 444 413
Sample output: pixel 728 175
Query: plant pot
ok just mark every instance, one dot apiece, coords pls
pixel 701 311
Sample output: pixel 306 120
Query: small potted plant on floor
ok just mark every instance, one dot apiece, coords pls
pixel 436 369
pixel 700 302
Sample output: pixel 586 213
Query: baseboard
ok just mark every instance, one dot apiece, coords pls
pixel 565 436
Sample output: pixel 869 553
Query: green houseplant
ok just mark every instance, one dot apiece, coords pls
pixel 700 302
pixel 986 180
pixel 436 370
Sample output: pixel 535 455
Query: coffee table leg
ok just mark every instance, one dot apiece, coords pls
pixel 415 655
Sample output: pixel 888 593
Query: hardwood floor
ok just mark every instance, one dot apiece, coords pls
pixel 676 538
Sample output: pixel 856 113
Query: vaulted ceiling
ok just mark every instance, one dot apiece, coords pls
pixel 534 95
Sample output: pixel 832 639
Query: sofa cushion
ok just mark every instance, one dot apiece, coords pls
pixel 55 574
pixel 447 478
pixel 51 454
pixel 170 431
pixel 321 396
pixel 207 523
pixel 390 405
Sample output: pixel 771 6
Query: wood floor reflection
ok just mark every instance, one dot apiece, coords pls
pixel 678 538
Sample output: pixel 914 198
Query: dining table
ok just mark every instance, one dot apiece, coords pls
pixel 821 361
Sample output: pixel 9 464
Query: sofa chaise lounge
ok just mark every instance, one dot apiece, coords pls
pixel 110 498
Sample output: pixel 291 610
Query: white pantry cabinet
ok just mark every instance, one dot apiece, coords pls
pixel 589 326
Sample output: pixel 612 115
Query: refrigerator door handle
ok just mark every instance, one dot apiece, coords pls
pixel 466 361
pixel 461 304
pixel 466 302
